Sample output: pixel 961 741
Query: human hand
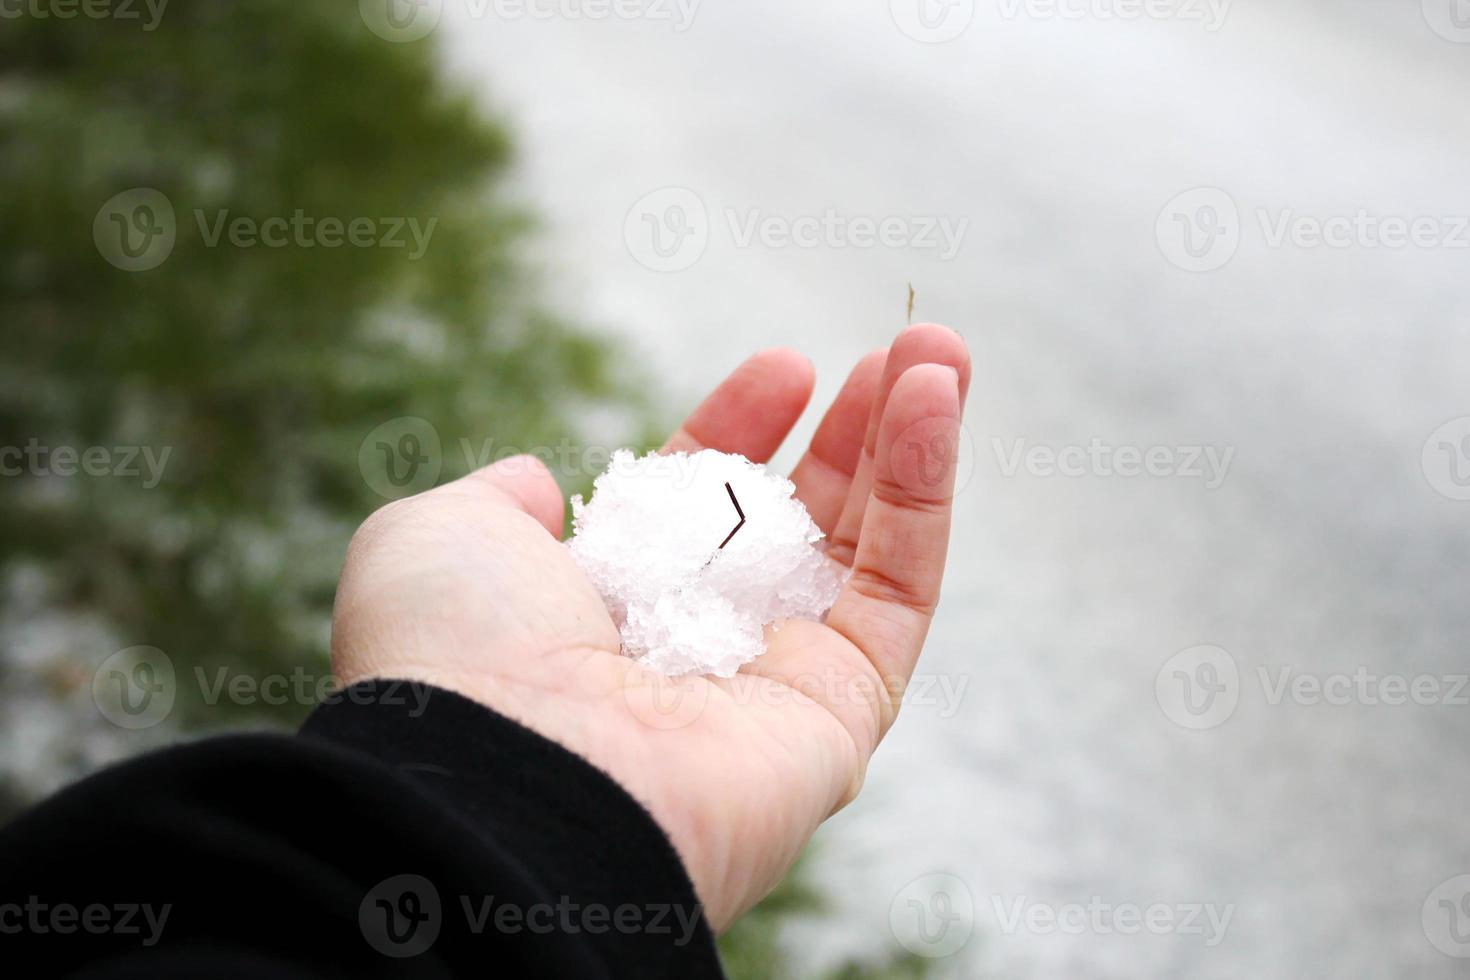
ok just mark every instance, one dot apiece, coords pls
pixel 467 587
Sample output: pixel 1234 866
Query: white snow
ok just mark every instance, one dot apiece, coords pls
pixel 650 540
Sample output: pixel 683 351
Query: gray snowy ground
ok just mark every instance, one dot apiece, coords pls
pixel 1042 772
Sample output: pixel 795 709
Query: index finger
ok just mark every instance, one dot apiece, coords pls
pixel 752 410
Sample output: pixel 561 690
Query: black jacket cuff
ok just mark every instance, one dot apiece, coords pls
pixel 602 870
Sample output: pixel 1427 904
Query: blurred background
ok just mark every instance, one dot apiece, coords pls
pixel 1195 703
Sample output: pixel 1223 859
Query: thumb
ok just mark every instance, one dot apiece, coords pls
pixel 523 482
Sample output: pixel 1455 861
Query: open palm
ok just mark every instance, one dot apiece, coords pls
pixel 467 587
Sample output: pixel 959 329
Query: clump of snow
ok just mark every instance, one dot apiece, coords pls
pixel 649 539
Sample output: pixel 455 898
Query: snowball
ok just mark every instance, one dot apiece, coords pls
pixel 650 540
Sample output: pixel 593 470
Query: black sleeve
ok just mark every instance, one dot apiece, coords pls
pixel 406 831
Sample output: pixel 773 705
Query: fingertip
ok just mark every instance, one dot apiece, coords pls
pixel 918 441
pixel 922 343
pixel 530 482
pixel 933 343
pixel 772 388
pixel 921 392
pixel 839 436
pixel 753 409
pixel 782 355
pixel 863 384
pixel 931 325
pixel 790 367
pixel 870 365
pixel 823 477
